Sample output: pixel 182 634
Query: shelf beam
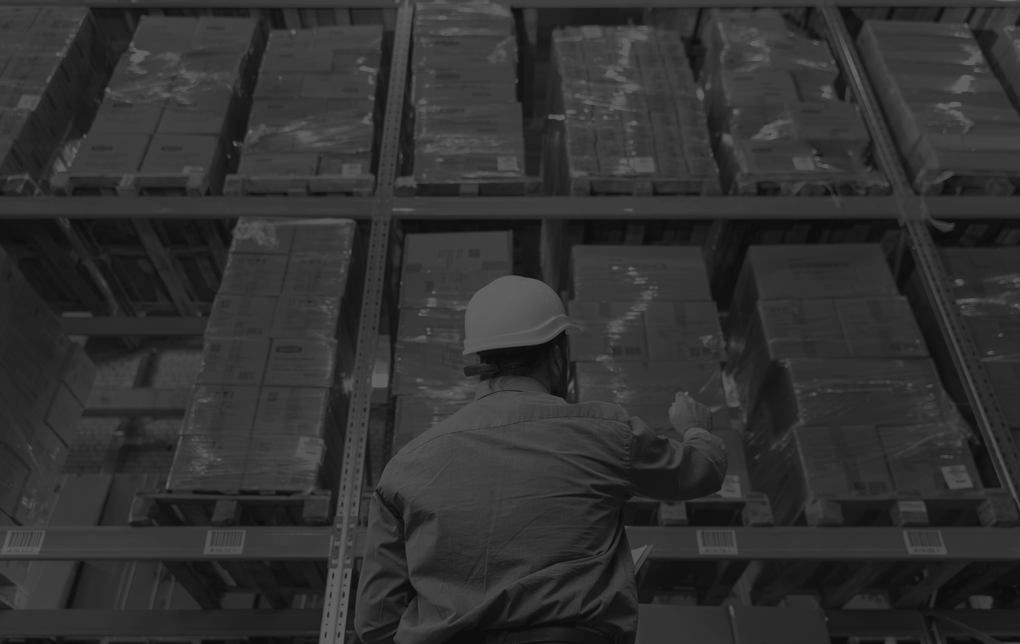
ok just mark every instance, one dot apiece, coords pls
pixel 183 207
pixel 211 624
pixel 523 4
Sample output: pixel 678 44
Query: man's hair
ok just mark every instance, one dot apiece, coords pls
pixel 520 361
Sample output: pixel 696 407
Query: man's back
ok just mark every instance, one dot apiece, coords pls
pixel 508 514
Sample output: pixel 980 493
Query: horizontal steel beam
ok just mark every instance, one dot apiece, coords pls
pixel 646 208
pixel 212 624
pixel 139 402
pixel 676 544
pixel 147 326
pixel 874 623
pixel 973 207
pixel 182 207
pixel 537 4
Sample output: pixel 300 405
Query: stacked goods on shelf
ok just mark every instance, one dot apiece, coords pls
pixel 778 122
pixel 45 382
pixel 949 114
pixel 173 109
pixel 468 123
pixel 50 58
pixel 631 118
pixel 1004 55
pixel 270 400
pixel 441 272
pixel 986 285
pixel 649 329
pixel 313 114
pixel 828 360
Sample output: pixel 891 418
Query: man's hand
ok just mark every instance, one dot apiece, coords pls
pixel 685 413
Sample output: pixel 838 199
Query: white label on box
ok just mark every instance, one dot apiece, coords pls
pixel 224 542
pixel 310 449
pixel 507 164
pixel 957 477
pixel 717 542
pixel 193 169
pixel 591 31
pixel 644 165
pixel 28 102
pixel 804 163
pixel 909 507
pixel 730 487
pixel 350 169
pixel 924 542
pixel 23 542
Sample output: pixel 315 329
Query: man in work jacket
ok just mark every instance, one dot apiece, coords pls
pixel 504 523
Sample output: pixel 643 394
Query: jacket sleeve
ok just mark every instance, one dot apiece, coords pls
pixel 669 470
pixel 385 590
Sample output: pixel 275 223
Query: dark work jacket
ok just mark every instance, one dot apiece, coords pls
pixel 510 513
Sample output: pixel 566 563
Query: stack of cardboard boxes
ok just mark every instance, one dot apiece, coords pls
pixel 649 329
pixel 830 363
pixel 774 108
pixel 45 381
pixel 631 105
pixel 468 124
pixel 315 103
pixel 946 109
pixel 50 60
pixel 441 272
pixel 986 284
pixel 175 103
pixel 268 408
pixel 1004 54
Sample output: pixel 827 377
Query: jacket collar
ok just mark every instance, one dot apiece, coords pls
pixel 509 383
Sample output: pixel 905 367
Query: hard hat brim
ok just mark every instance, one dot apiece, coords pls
pixel 529 338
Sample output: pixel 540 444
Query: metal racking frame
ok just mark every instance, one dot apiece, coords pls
pixel 342 543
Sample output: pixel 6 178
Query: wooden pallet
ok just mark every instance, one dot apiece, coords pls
pixel 207 582
pixel 19 185
pixel 644 186
pixel 752 510
pixel 992 507
pixel 239 185
pixel 517 187
pixel 131 185
pixel 875 186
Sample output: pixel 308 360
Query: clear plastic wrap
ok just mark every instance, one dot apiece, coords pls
pixel 230 361
pixel 639 274
pixel 301 363
pixel 629 104
pixel 295 411
pixel 444 270
pixel 428 356
pixel 31 466
pixel 289 463
pixel 647 389
pixel 209 462
pixel 254 274
pixel 986 285
pixel 241 316
pixel 948 112
pixel 216 409
pixel 775 111
pixel 49 57
pixel 467 120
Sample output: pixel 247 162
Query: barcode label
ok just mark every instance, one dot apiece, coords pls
pixel 224 542
pixel 23 542
pixel 957 477
pixel 924 542
pixel 310 449
pixel 717 542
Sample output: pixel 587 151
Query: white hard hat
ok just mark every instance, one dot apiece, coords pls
pixel 513 312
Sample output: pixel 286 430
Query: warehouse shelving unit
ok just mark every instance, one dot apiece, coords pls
pixel 342 543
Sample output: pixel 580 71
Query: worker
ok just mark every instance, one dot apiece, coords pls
pixel 507 517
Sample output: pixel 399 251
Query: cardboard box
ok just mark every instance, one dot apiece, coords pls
pixel 64 414
pixel 120 117
pixel 301 363
pixel 302 317
pixel 354 87
pixel 294 60
pixel 78 373
pixel 980 273
pixel 748 88
pixel 179 154
pixel 241 316
pixel 197 112
pixel 284 111
pixel 880 327
pixel 294 411
pixel 279 164
pixel 209 463
pixel 329 237
pixel 609 330
pixel 446 269
pixel 1005 377
pixel 929 460
pixel 680 331
pixel 428 355
pixel 277 237
pixel 14 473
pixel 215 31
pixel 37 501
pixel 254 274
pixel 316 275
pixel 216 410
pixel 639 273
pixel 996 336
pixel 228 361
pixel 110 154
pixel 282 462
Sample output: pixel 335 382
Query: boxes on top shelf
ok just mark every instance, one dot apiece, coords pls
pixel 986 285
pixel 929 460
pixel 293 411
pixel 254 236
pixel 254 274
pixel 301 363
pixel 920 68
pixel 229 361
pixel 240 316
pixel 639 274
pixel 209 462
pixel 444 270
pixel 609 330
pixel 221 409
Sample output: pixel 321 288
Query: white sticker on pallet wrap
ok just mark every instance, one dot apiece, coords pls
pixel 912 506
pixel 310 449
pixel 730 487
pixel 643 165
pixel 925 542
pixel 507 164
pixel 717 542
pixel 23 542
pixel 350 169
pixel 224 542
pixel 957 477
pixel 806 164
pixel 192 169
pixel 28 102
pixel 591 31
